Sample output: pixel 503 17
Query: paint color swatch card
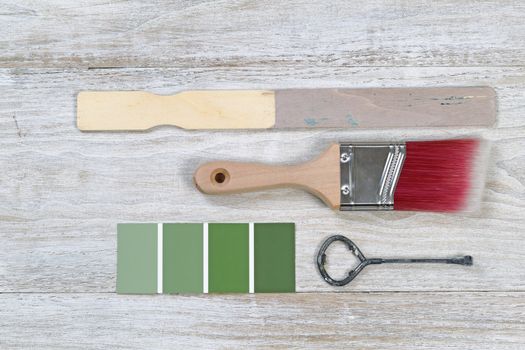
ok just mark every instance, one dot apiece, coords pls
pixel 205 258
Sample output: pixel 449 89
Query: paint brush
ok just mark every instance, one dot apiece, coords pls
pixel 288 108
pixel 443 176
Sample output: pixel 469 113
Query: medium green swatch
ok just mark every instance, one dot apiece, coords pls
pixel 274 257
pixel 228 258
pixel 182 258
pixel 137 258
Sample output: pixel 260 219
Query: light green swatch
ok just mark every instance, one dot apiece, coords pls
pixel 137 258
pixel 228 258
pixel 182 258
pixel 274 258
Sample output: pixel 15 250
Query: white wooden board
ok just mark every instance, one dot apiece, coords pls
pixel 62 191
pixel 318 321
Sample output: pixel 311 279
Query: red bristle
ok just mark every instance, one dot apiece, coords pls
pixel 436 175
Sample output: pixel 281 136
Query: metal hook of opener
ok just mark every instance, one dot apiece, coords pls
pixel 364 262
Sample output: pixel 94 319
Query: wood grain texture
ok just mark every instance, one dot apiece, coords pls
pixel 241 33
pixel 140 110
pixel 386 107
pixel 293 108
pixel 337 321
pixel 62 191
pixel 320 176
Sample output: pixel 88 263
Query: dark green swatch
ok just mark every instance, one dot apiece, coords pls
pixel 182 258
pixel 228 258
pixel 274 257
pixel 137 258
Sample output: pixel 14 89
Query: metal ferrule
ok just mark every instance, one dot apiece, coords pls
pixel 369 174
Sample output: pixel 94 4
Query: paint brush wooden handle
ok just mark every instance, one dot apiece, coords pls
pixel 288 108
pixel 319 177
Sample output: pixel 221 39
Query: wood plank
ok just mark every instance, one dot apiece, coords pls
pixel 64 191
pixel 235 34
pixel 320 321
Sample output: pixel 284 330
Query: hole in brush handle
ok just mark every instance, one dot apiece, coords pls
pixel 220 177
